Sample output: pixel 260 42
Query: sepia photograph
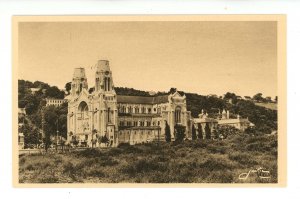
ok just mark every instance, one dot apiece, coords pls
pixel 149 101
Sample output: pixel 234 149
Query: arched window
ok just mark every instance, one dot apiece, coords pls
pixel 129 109
pixel 97 84
pixel 143 109
pixel 108 115
pixel 158 110
pixel 105 85
pixel 136 110
pixel 178 114
pixel 108 84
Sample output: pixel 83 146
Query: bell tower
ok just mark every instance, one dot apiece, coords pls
pixel 103 77
pixel 79 81
pixel 108 112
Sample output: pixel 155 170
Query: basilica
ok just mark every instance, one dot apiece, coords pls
pixel 102 113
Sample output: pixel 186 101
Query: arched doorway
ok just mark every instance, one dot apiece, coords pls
pixel 83 117
pixel 178 115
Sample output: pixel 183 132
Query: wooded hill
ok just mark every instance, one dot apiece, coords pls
pixel 264 119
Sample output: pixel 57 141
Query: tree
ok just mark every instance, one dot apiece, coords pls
pixel 68 87
pixel 268 99
pixel 31 134
pixel 94 141
pixel 104 139
pixel 231 96
pixel 207 131
pixel 179 132
pixel 200 132
pixel 41 85
pixel 258 97
pixel 54 92
pixel 167 132
pixel 74 141
pixel 172 90
pixel 250 131
pixel 194 136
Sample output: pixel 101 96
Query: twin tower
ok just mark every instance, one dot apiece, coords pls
pixel 92 115
pixel 103 79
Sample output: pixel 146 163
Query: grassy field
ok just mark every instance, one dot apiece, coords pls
pixel 206 161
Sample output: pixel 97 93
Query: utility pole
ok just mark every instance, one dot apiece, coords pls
pixel 56 134
pixel 158 135
pixel 43 132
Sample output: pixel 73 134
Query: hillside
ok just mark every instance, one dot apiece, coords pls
pixel 271 106
pixel 265 119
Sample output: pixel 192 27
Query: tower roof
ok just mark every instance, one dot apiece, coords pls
pixel 79 73
pixel 103 65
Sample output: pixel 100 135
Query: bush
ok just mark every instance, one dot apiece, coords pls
pixel 89 153
pixel 96 173
pixel 242 158
pixel 48 179
pixel 68 168
pixel 217 164
pixel 124 145
pixel 179 132
pixel 191 161
pixel 214 149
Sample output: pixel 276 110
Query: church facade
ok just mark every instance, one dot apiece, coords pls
pixel 102 114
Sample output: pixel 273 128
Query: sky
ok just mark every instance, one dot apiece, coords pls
pixel 204 57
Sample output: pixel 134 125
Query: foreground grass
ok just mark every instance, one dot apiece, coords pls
pixel 205 161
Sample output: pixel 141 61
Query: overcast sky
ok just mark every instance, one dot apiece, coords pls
pixel 199 57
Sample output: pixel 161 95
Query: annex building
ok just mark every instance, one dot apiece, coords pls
pixel 119 118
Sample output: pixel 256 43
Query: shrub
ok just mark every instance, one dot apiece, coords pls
pixel 179 132
pixel 217 149
pixel 68 168
pixel 22 160
pixel 89 153
pixel 167 132
pixel 124 145
pixel 243 158
pixel 96 173
pixel 48 179
pixel 213 164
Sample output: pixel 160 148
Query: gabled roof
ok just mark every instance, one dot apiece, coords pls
pixel 160 99
pixel 142 99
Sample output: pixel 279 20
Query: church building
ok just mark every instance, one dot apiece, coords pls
pixel 119 118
